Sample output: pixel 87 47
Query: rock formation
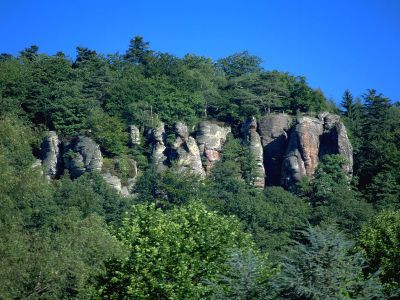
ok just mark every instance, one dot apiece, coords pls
pixel 50 155
pixel 253 141
pixel 82 155
pixel 158 155
pixel 112 181
pixel 134 135
pixel 185 152
pixel 273 129
pixel 309 141
pixel 283 154
pixel 335 140
pixel 210 137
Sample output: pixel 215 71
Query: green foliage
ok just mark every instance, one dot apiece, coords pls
pixel 52 243
pixel 246 278
pixel 333 198
pixel 323 267
pixel 109 132
pixel 138 51
pixel 16 143
pixel 171 254
pixel 239 64
pixel 379 241
pixel 271 216
pixel 167 188
pixel 91 195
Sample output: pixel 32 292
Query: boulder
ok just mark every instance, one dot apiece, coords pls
pixel 158 155
pixel 134 135
pixel 273 130
pixel 112 181
pixel 82 155
pixel 253 141
pixel 50 155
pixel 210 137
pixel 185 152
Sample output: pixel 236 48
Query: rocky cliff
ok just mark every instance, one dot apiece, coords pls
pixel 284 148
pixel 310 139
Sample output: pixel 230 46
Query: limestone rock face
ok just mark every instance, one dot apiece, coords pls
pixel 82 155
pixel 210 137
pixel 50 155
pixel 253 141
pixel 112 181
pixel 185 152
pixel 311 139
pixel 273 129
pixel 134 135
pixel 158 155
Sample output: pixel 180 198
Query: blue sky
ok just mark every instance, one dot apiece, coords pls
pixel 336 44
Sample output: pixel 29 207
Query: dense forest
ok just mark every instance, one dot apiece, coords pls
pixel 183 236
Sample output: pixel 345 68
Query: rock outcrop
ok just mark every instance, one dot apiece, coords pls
pixel 158 155
pixel 185 152
pixel 336 141
pixel 134 135
pixel 309 141
pixel 210 137
pixel 273 129
pixel 82 155
pixel 123 187
pixel 50 155
pixel 253 141
pixel 284 154
pixel 112 181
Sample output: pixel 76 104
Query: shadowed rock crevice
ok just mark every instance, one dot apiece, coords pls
pixel 273 130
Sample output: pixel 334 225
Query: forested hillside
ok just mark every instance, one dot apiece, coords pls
pixel 149 176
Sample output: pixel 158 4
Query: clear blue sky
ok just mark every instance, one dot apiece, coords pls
pixel 336 44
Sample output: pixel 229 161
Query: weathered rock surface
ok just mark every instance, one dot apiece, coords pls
pixel 128 189
pixel 158 155
pixel 336 141
pixel 82 155
pixel 309 141
pixel 134 135
pixel 185 152
pixel 210 137
pixel 273 129
pixel 125 188
pixel 112 181
pixel 253 141
pixel 50 155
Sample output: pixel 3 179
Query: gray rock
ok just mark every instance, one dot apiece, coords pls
pixel 134 135
pixel 112 181
pixel 50 155
pixel 128 189
pixel 82 155
pixel 116 183
pixel 273 129
pixel 253 141
pixel 181 130
pixel 158 155
pixel 210 137
pixel 185 152
pixel 334 140
pixel 311 139
pixel 38 165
